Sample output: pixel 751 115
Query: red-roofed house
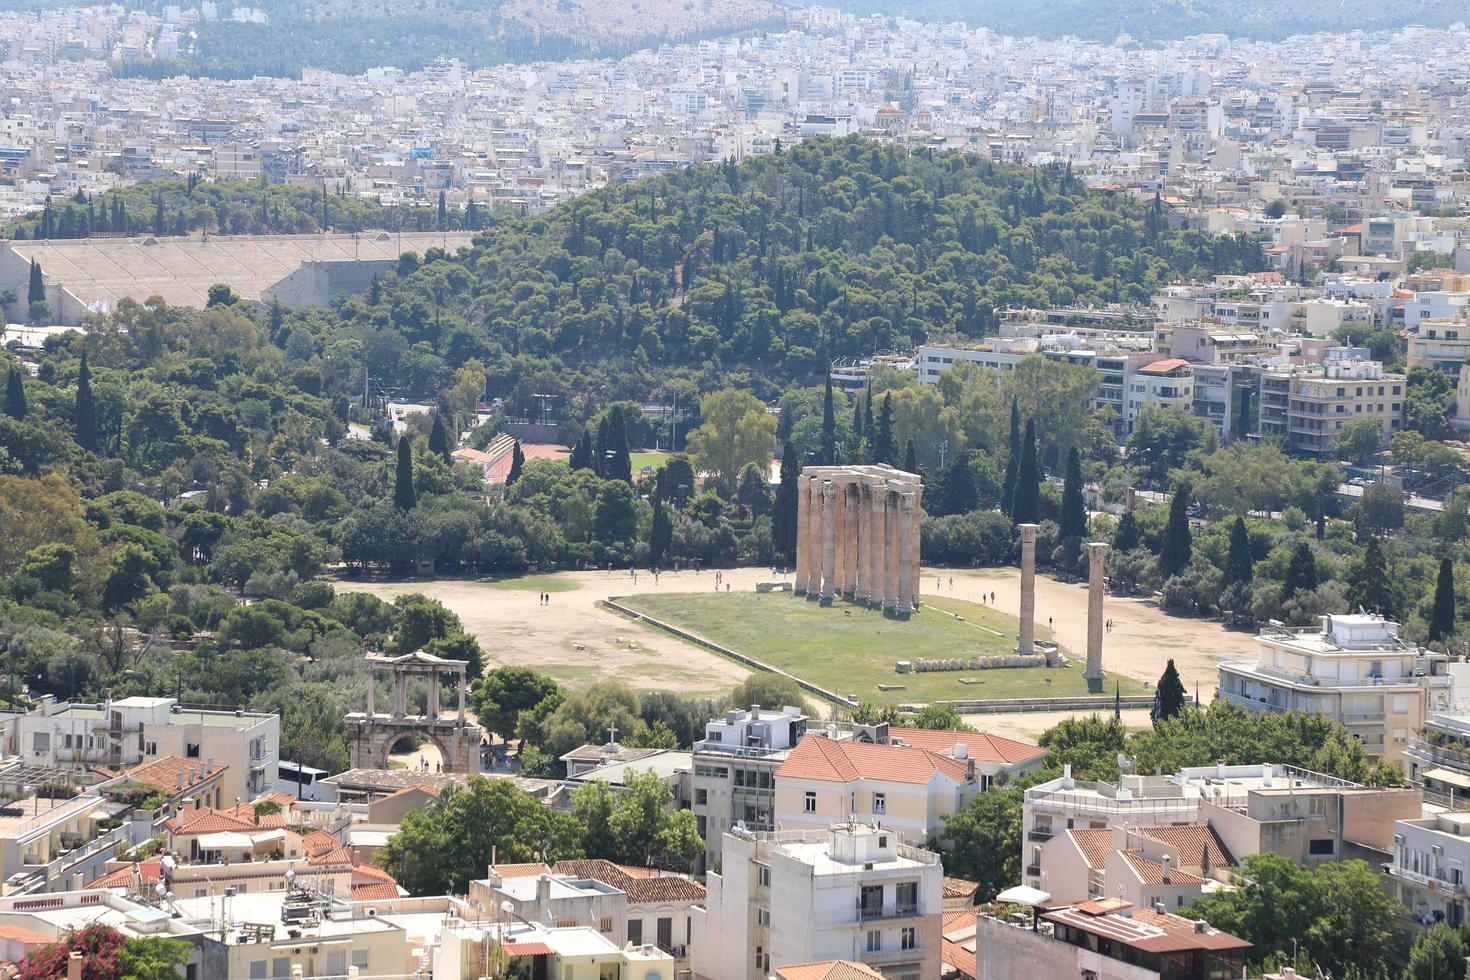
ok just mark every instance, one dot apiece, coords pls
pixel 905 788
pixel 1142 865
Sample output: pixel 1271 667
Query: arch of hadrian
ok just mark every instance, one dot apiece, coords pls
pixel 857 535
pixel 371 735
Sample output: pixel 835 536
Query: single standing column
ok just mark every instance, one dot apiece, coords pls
pixel 891 587
pixel 461 685
pixel 829 539
pixel 877 556
pixel 839 539
pixel 814 542
pixel 905 553
pixel 803 520
pixel 433 707
pixel 1026 641
pixel 400 694
pixel 864 541
pixel 1096 553
pixel 372 683
pixel 852 511
pixel 917 523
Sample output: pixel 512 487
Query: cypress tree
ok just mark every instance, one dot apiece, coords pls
pixel 36 291
pixel 1301 572
pixel 910 458
pixel 829 426
pixel 439 439
pixel 1127 536
pixel 960 493
pixel 619 462
pixel 857 420
pixel 1371 588
pixel 1442 616
pixel 86 408
pixel 783 515
pixel 1169 696
pixel 660 533
pixel 883 449
pixel 1178 542
pixel 1239 568
pixel 1008 491
pixel 517 461
pixel 1027 507
pixel 581 457
pixel 404 497
pixel 15 394
pixel 1074 512
pixel 600 447
pixel 1015 443
pixel 868 410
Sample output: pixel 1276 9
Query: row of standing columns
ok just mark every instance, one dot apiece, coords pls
pixel 1026 631
pixel 858 535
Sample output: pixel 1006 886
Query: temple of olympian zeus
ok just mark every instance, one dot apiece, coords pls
pixel 857 535
pixel 371 735
pixel 1026 631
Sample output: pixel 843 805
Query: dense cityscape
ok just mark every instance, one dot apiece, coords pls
pixel 719 490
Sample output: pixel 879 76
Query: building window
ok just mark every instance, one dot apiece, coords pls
pixel 875 941
pixel 763 918
pixel 764 877
pixel 880 803
pixel 191 750
pixel 908 938
pixel 635 932
pixel 811 802
pixel 1321 847
pixel 605 925
pixel 702 826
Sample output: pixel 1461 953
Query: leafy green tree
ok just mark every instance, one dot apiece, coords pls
pixel 581 457
pixel 439 439
pixel 1178 543
pixel 1358 440
pixel 86 408
pixel 153 958
pixel 984 838
pixel 660 534
pixel 768 691
pixel 1301 572
pixel 1438 954
pixel 130 578
pixel 517 463
pixel 936 717
pixel 593 804
pixel 1089 744
pixel 404 495
pixel 1381 507
pixel 736 430
pixel 1127 535
pixel 1169 696
pixel 15 394
pixel 752 490
pixel 506 692
pixel 1162 441
pixel 615 519
pixel 443 847
pixel 783 516
pixel 645 825
pixel 1370 586
pixel 419 620
pixel 589 716
pixel 1443 616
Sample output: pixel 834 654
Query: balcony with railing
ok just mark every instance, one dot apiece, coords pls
pixel 892 957
pixel 1441 885
pixel 875 913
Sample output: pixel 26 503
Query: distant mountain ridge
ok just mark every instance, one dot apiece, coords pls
pixel 1157 20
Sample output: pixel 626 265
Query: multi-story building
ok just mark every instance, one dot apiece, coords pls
pixel 1442 344
pixel 1142 865
pixel 1428 873
pixel 1355 669
pixel 850 892
pixel 118 734
pixel 1309 404
pixel 1438 758
pixel 735 767
pixel 1166 383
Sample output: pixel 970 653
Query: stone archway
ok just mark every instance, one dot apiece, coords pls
pixel 371 736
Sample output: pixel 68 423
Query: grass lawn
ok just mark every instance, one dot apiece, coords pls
pixel 536 583
pixel 647 458
pixel 853 654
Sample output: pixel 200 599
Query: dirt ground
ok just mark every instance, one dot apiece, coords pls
pixel 577 642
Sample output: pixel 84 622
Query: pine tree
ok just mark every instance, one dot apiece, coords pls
pixel 1127 536
pixel 1239 568
pixel 829 426
pixel 1178 545
pixel 1442 616
pixel 439 439
pixel 1370 587
pixel 404 497
pixel 15 394
pixel 581 457
pixel 783 514
pixel 910 458
pixel 36 291
pixel 86 408
pixel 517 463
pixel 1169 696
pixel 1074 511
pixel 883 448
pixel 619 464
pixel 1301 572
pixel 1027 507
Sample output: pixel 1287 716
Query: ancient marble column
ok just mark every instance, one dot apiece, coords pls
pixel 892 586
pixel 1026 640
pixel 829 538
pixel 814 541
pixel 864 512
pixel 1096 553
pixel 839 536
pixel 918 517
pixel 372 684
pixel 461 684
pixel 432 710
pixel 905 603
pixel 803 521
pixel 852 510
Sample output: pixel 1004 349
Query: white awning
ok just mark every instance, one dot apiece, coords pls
pixel 1447 776
pixel 223 839
pixel 266 836
pixel 1023 895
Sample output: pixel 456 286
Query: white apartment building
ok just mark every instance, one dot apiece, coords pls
pixel 1309 404
pixel 852 892
pixel 1431 855
pixel 735 771
pixel 1355 669
pixel 1442 344
pixel 118 734
pixel 1167 383
pixel 1435 304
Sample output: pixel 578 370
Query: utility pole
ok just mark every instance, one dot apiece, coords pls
pixel 943 448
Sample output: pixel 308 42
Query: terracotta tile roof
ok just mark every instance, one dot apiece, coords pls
pixel 959 888
pixel 957 942
pixel 319 842
pixel 1164 366
pixel 982 746
pixel 375 892
pixel 529 870
pixel 641 889
pixel 341 856
pixel 26 936
pixel 205 820
pixel 1152 872
pixel 828 970
pixel 1095 844
pixel 1193 841
pixel 149 871
pixel 829 760
pixel 163 773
